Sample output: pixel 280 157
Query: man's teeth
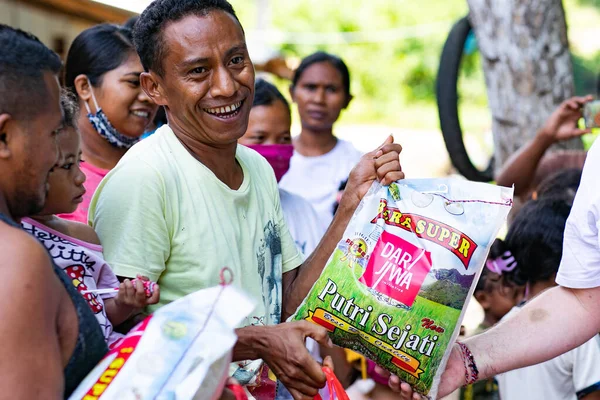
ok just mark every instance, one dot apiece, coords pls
pixel 142 114
pixel 224 110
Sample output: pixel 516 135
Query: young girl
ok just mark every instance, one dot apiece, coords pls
pixel 321 162
pixel 74 246
pixel 103 70
pixel 497 297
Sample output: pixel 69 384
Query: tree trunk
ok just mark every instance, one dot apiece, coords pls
pixel 527 65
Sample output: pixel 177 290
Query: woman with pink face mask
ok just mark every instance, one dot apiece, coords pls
pixel 269 134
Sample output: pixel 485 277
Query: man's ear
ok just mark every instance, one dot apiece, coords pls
pixel 350 97
pixel 151 84
pixel 5 121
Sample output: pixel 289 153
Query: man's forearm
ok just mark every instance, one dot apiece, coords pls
pixel 520 169
pixel 551 324
pixel 309 272
pixel 251 341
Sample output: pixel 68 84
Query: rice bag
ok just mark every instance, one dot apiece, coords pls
pixel 180 352
pixel 396 287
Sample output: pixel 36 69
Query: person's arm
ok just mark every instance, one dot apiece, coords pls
pixel 595 395
pixel 129 301
pixel 382 164
pixel 520 169
pixel 553 323
pixel 31 366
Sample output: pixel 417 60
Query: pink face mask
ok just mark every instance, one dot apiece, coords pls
pixel 278 155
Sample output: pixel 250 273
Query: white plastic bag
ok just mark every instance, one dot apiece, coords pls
pixel 180 352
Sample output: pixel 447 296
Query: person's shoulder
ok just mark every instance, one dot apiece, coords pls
pixel 254 161
pixel 248 154
pixel 155 151
pixel 21 253
pixel 82 232
pixel 298 206
pixel 346 145
pixel 347 150
pixel 29 281
pixel 132 179
pixel 140 167
pixel 297 201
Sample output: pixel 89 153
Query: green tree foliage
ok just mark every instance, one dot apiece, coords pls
pixel 394 68
pixel 389 72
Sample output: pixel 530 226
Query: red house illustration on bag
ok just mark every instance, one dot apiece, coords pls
pixel 397 268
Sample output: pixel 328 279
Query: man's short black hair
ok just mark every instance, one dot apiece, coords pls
pixel 23 62
pixel 148 30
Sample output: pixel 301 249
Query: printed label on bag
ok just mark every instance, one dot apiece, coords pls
pixel 397 268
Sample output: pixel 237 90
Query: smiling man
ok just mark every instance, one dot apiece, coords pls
pixel 189 201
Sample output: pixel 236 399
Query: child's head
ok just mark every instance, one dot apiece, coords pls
pixel 495 296
pixel 270 118
pixel 535 240
pixel 563 184
pixel 269 125
pixel 66 180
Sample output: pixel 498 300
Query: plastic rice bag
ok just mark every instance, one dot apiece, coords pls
pixel 397 285
pixel 180 352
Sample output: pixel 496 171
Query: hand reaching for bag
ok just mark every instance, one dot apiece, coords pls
pixel 452 379
pixel 288 358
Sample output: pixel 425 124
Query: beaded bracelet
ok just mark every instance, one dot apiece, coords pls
pixel 471 371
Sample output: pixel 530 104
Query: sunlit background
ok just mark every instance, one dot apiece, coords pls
pixel 391 46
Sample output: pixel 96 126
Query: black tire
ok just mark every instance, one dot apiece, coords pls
pixel 447 101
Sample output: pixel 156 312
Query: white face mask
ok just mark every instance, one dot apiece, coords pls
pixel 105 129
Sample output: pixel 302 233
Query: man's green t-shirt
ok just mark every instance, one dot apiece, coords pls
pixel 163 214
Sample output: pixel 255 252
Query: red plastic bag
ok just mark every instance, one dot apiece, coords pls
pixel 333 390
pixel 238 391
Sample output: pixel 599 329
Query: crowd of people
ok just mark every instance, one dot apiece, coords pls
pixel 153 154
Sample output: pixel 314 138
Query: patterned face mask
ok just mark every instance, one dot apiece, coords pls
pixel 105 129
